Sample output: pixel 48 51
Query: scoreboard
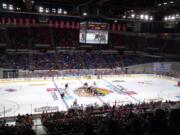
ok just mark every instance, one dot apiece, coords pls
pixel 93 33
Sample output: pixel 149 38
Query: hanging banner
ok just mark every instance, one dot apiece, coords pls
pixel 33 22
pixel 78 25
pixel 3 20
pixel 124 27
pixel 9 21
pixel 14 21
pixel 62 24
pixel 27 22
pixel 50 23
pixel 20 21
pixel 119 27
pixel 56 24
pixel 113 27
pixel 72 26
pixel 67 25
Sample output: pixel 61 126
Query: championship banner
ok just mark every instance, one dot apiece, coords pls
pixel 162 67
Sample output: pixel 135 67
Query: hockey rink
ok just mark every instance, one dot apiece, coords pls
pixel 37 95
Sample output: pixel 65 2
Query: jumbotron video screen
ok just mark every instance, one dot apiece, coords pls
pixel 93 33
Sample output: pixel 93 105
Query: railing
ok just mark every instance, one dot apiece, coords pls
pixel 67 73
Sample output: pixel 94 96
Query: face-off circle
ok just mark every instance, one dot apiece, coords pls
pixel 8 107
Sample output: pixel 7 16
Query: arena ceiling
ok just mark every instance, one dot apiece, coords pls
pixel 110 7
pixel 118 3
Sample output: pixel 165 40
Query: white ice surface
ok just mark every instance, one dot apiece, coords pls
pixel 26 96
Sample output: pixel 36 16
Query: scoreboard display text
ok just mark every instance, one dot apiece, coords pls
pixel 97 26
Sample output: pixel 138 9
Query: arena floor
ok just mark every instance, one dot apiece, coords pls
pixel 35 96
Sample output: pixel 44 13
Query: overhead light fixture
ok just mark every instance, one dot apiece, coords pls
pixel 124 17
pixel 53 10
pixel 65 12
pixel 173 17
pixel 47 10
pixel 11 7
pixel 146 17
pixel 59 10
pixel 84 14
pixel 4 5
pixel 165 3
pixel 142 16
pixel 41 9
pixel 151 18
pixel 132 15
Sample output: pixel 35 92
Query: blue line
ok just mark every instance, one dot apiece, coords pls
pixel 60 94
pixel 122 90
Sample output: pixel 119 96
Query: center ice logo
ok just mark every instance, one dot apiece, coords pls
pixel 92 91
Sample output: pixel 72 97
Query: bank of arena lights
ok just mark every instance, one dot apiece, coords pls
pixel 46 10
pixel 30 1
pixel 166 3
pixel 143 17
pixel 18 8
pixel 4 6
pixel 174 17
pixel 10 7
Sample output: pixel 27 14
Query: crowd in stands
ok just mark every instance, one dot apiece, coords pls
pixel 14 61
pixel 44 61
pixel 117 40
pixel 50 61
pixel 114 60
pixel 66 38
pixel 71 60
pixel 18 38
pixel 31 37
pixel 2 36
pixel 41 35
pixel 23 126
pixel 153 118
